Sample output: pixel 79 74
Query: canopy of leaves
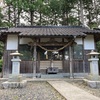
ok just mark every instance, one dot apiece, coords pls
pixel 52 12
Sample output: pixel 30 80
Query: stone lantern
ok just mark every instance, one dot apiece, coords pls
pixel 16 63
pixel 94 72
pixel 15 79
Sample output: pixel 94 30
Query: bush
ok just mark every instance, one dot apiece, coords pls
pixel 1 63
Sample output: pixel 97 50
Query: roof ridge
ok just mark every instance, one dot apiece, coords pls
pixel 3 28
pixel 49 26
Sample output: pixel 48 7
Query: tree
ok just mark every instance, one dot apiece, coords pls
pixel 53 12
pixel 96 6
pixel 91 12
pixel 66 8
pixel 1 17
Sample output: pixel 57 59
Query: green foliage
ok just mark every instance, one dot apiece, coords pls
pixel 51 12
pixel 1 63
pixel 1 17
pixel 98 50
pixel 1 49
pixel 98 46
pixel 92 10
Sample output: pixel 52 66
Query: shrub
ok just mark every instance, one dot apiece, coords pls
pixel 1 63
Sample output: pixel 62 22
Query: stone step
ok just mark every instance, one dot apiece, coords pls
pixel 52 76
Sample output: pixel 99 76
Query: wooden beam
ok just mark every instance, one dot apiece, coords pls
pixel 34 59
pixel 83 56
pixel 53 44
pixel 71 65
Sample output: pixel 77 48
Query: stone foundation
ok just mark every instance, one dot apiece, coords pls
pixel 7 84
pixel 92 84
pixel 14 81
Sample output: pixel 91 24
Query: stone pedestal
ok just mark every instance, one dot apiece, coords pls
pixel 94 72
pixel 15 66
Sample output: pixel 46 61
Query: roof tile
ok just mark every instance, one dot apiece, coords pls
pixel 51 30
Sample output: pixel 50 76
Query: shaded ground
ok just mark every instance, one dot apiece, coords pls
pixel 81 84
pixel 33 91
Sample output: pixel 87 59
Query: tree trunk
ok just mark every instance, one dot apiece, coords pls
pixel 81 12
pixel 18 17
pixel 65 19
pixel 32 17
pixel 14 9
pixel 40 18
pixel 9 17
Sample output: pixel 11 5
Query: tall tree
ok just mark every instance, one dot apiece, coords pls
pixel 40 7
pixel 14 8
pixel 66 7
pixel 81 12
pixel 91 12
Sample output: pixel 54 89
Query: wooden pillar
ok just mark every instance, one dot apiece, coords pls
pixel 71 65
pixel 34 60
pixel 83 56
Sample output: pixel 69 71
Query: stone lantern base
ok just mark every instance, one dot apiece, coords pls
pixel 92 81
pixel 92 84
pixel 14 81
pixel 7 84
pixel 93 77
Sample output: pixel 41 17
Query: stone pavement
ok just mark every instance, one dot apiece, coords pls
pixel 71 92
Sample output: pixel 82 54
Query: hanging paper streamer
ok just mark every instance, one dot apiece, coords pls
pixel 46 53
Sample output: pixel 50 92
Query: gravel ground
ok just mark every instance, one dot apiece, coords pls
pixel 81 84
pixel 33 91
pixel 41 91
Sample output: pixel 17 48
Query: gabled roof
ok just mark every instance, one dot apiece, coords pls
pixel 51 31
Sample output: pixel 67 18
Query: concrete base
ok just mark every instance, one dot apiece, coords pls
pixel 14 81
pixel 15 78
pixel 7 84
pixel 92 84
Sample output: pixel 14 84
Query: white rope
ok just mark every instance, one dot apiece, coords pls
pixel 57 49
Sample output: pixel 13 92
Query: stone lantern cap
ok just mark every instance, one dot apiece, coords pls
pixel 16 53
pixel 93 53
